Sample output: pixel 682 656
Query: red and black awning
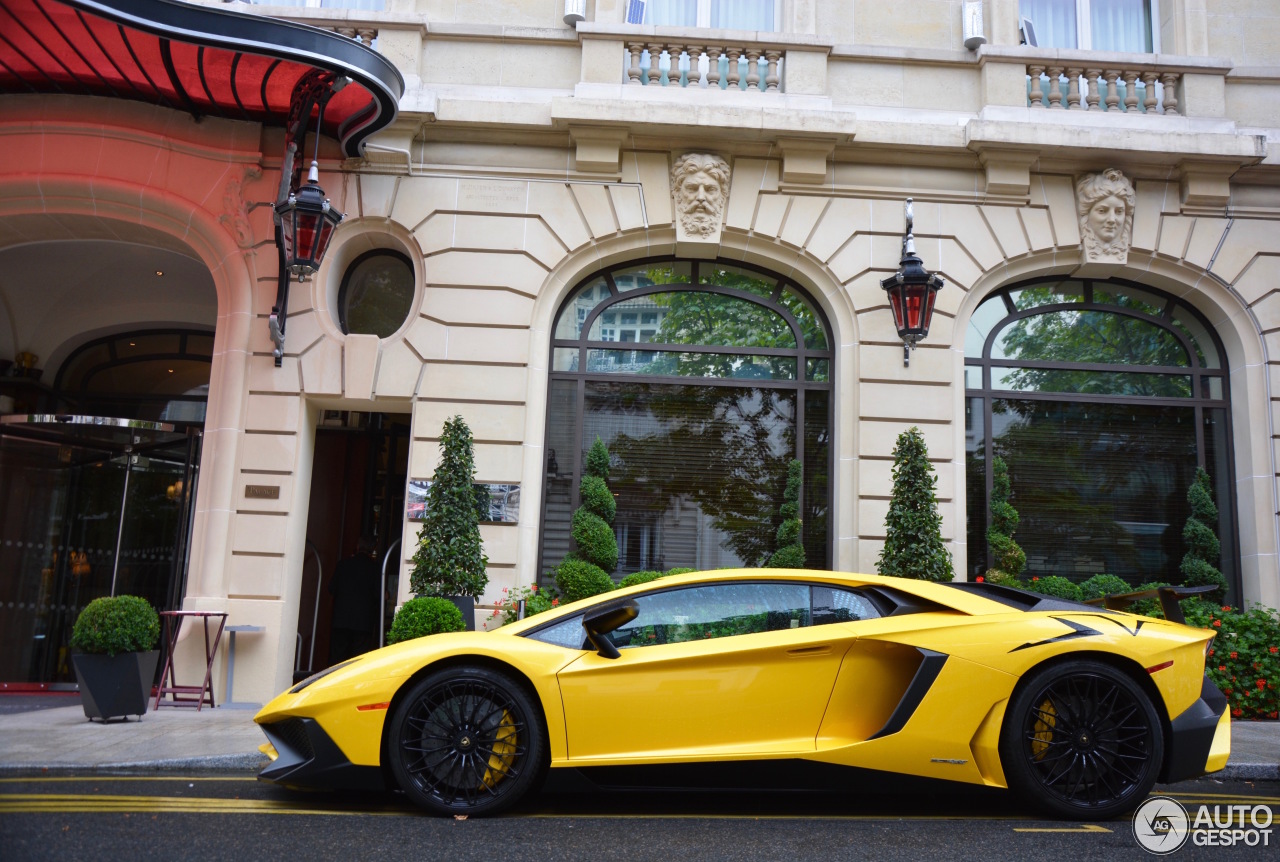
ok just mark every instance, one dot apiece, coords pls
pixel 204 61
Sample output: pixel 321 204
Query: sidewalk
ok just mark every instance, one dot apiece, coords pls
pixel 227 740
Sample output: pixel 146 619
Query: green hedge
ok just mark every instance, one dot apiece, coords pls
pixel 578 579
pixel 427 615
pixel 117 624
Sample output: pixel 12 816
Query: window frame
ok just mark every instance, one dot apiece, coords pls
pixel 703 20
pixel 1084 26
pixel 802 354
pixel 343 324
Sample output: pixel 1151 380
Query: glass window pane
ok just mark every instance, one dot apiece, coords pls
pixel 1120 25
pixel 567 633
pixel 810 324
pixel 1131 297
pixel 1047 294
pixel 575 311
pixel 818 370
pixel 661 362
pixel 679 13
pixel 690 317
pixel 699 472
pixel 972 377
pixel 1202 342
pixel 564 359
pixel 1054 22
pixel 975 471
pixel 673 272
pixel 1092 382
pixel 987 315
pixel 816 496
pixel 742 14
pixel 1214 388
pixel 834 605
pixel 377 294
pixel 745 280
pixel 717 611
pixel 1217 461
pixel 1100 488
pixel 1089 336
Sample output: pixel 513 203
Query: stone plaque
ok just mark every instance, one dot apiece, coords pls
pixel 262 492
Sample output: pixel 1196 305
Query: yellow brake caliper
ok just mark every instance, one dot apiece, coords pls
pixel 504 751
pixel 1042 733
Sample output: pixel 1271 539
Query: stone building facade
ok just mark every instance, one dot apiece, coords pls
pixel 532 159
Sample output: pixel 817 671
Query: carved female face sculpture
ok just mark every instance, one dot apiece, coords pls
pixel 1104 203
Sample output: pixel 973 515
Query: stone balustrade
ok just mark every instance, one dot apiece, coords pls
pixel 1146 89
pixel 724 65
pixel 366 35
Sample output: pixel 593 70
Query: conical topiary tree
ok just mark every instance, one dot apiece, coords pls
pixel 1008 557
pixel 913 545
pixel 1201 538
pixel 790 553
pixel 449 560
pixel 585 572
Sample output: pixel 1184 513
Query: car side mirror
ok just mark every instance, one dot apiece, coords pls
pixel 600 622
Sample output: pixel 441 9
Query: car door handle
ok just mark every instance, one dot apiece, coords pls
pixel 819 649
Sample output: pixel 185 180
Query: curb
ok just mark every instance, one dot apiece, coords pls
pixel 1247 772
pixel 237 763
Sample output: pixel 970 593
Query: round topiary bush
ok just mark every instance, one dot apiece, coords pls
pixel 597 498
pixel 1100 586
pixel 427 615
pixel 578 579
pixel 637 578
pixel 1056 586
pixel 116 624
pixel 595 540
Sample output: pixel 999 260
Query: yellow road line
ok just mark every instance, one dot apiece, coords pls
pixel 1220 798
pixel 102 779
pixel 1086 828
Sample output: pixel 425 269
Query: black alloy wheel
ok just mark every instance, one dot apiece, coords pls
pixel 1082 740
pixel 467 740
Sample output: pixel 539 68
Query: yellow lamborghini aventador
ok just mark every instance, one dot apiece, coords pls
pixel 795 678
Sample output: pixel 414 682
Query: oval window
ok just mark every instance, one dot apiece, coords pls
pixel 377 294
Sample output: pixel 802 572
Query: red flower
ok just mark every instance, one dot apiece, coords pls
pixel 1262 683
pixel 980 579
pixel 1222 667
pixel 555 602
pixel 1036 578
pixel 1237 712
pixel 1235 655
pixel 1227 608
pixel 1274 650
pixel 1217 624
pixel 1275 714
pixel 1210 652
pixel 534 588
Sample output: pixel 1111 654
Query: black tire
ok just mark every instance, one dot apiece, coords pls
pixel 467 740
pixel 1082 741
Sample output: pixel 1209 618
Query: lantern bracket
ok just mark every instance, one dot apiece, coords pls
pixel 911 291
pixel 310 96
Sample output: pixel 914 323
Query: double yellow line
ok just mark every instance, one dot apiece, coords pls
pixel 94 803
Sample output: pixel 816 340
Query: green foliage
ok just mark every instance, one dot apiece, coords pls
pixel 790 553
pixel 1057 586
pixel 1244 660
pixel 580 579
pixel 595 540
pixel 678 570
pixel 116 624
pixel 913 545
pixel 597 463
pixel 1100 586
pixel 590 528
pixel 426 615
pixel 449 560
pixel 1008 556
pixel 636 578
pixel 1202 543
pixel 995 576
pixel 536 601
pixel 598 499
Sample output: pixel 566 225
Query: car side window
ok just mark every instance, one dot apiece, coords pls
pixel 567 633
pixel 834 605
pixel 714 611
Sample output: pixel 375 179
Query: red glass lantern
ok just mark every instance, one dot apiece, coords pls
pixel 912 293
pixel 306 224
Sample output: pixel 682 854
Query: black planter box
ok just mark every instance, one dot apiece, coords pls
pixel 115 686
pixel 466 604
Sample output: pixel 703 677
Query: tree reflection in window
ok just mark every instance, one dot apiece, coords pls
pixel 699 466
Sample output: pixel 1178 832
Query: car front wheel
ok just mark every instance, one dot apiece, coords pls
pixel 467 740
pixel 1082 741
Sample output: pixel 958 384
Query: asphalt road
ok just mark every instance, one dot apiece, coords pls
pixel 238 818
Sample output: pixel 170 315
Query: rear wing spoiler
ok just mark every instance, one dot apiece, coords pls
pixel 1168 597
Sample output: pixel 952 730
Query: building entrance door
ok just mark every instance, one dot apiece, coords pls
pixel 90 506
pixel 357 493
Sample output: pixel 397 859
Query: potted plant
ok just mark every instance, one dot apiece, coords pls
pixel 424 616
pixel 116 660
pixel 449 561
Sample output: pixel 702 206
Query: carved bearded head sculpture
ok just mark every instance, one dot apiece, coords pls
pixel 1104 203
pixel 700 186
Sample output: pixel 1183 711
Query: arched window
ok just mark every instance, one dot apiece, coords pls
pixel 1102 397
pixel 704 379
pixel 153 374
pixel 376 296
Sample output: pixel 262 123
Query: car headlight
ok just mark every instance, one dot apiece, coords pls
pixel 315 676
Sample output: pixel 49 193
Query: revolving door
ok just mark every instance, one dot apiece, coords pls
pixel 89 506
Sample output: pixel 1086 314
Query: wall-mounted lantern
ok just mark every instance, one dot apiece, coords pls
pixel 912 291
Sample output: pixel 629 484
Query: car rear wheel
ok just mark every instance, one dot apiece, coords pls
pixel 467 740
pixel 1082 740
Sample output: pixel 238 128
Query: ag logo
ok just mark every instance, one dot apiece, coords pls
pixel 1161 826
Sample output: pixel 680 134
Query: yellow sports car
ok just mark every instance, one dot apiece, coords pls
pixel 789 677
